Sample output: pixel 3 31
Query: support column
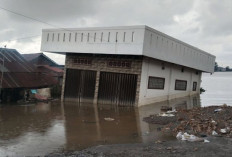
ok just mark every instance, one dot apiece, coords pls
pixel 96 88
pixel 170 82
pixel 63 85
pixel 191 83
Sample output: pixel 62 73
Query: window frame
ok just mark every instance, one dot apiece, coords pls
pixel 194 89
pixel 150 77
pixel 182 81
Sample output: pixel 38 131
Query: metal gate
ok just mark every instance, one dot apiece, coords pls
pixel 117 89
pixel 80 85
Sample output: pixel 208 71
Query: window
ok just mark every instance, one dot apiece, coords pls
pixel 194 86
pixel 156 82
pixel 88 38
pixel 58 38
pixel 181 85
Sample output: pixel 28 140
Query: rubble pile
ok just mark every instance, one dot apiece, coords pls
pixel 212 120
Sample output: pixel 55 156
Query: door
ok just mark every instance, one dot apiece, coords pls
pixel 80 85
pixel 117 89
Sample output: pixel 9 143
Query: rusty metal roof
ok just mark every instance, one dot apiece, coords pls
pixel 31 56
pixel 34 58
pixel 19 73
pixel 54 71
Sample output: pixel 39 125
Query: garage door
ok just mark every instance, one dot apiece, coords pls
pixel 80 85
pixel 117 89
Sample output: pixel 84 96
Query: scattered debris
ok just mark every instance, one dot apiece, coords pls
pixel 217 110
pixel 109 119
pixel 206 141
pixel 186 137
pixel 173 111
pixel 166 115
pixel 223 131
pixel 214 133
pixel 212 120
pixel 166 108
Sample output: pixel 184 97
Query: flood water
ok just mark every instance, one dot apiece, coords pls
pixel 44 128
pixel 50 127
pixel 218 88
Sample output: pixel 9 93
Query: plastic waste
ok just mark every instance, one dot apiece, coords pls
pixel 179 135
pixel 187 137
pixel 109 119
pixel 217 110
pixel 206 141
pixel 214 133
pixel 173 111
pixel 223 131
pixel 166 115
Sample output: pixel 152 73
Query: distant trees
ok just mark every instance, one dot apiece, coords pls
pixel 228 68
pixel 218 68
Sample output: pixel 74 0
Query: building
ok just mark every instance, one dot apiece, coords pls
pixel 18 75
pixel 127 66
pixel 46 65
pixel 40 59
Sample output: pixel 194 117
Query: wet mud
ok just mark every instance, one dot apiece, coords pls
pixel 218 147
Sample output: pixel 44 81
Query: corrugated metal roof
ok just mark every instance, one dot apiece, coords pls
pixel 18 73
pixel 31 56
pixel 54 71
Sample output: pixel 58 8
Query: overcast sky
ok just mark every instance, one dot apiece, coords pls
pixel 206 24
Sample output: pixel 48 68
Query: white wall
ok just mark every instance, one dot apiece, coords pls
pixel 163 47
pixel 95 40
pixel 171 73
pixel 139 40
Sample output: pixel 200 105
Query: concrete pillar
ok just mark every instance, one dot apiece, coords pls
pixel 96 88
pixel 191 83
pixel 63 85
pixel 170 82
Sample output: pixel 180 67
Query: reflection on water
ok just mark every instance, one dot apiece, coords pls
pixel 44 128
pixel 218 89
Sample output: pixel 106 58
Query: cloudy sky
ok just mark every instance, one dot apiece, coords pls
pixel 206 24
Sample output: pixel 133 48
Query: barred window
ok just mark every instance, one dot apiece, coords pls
pixel 194 86
pixel 181 85
pixel 156 82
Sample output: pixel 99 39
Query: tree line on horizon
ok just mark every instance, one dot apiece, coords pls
pixel 219 68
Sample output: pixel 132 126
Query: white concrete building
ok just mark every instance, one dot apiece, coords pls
pixel 129 65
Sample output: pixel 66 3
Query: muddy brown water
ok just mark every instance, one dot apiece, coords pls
pixel 43 128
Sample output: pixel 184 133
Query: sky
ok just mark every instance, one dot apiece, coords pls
pixel 206 24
